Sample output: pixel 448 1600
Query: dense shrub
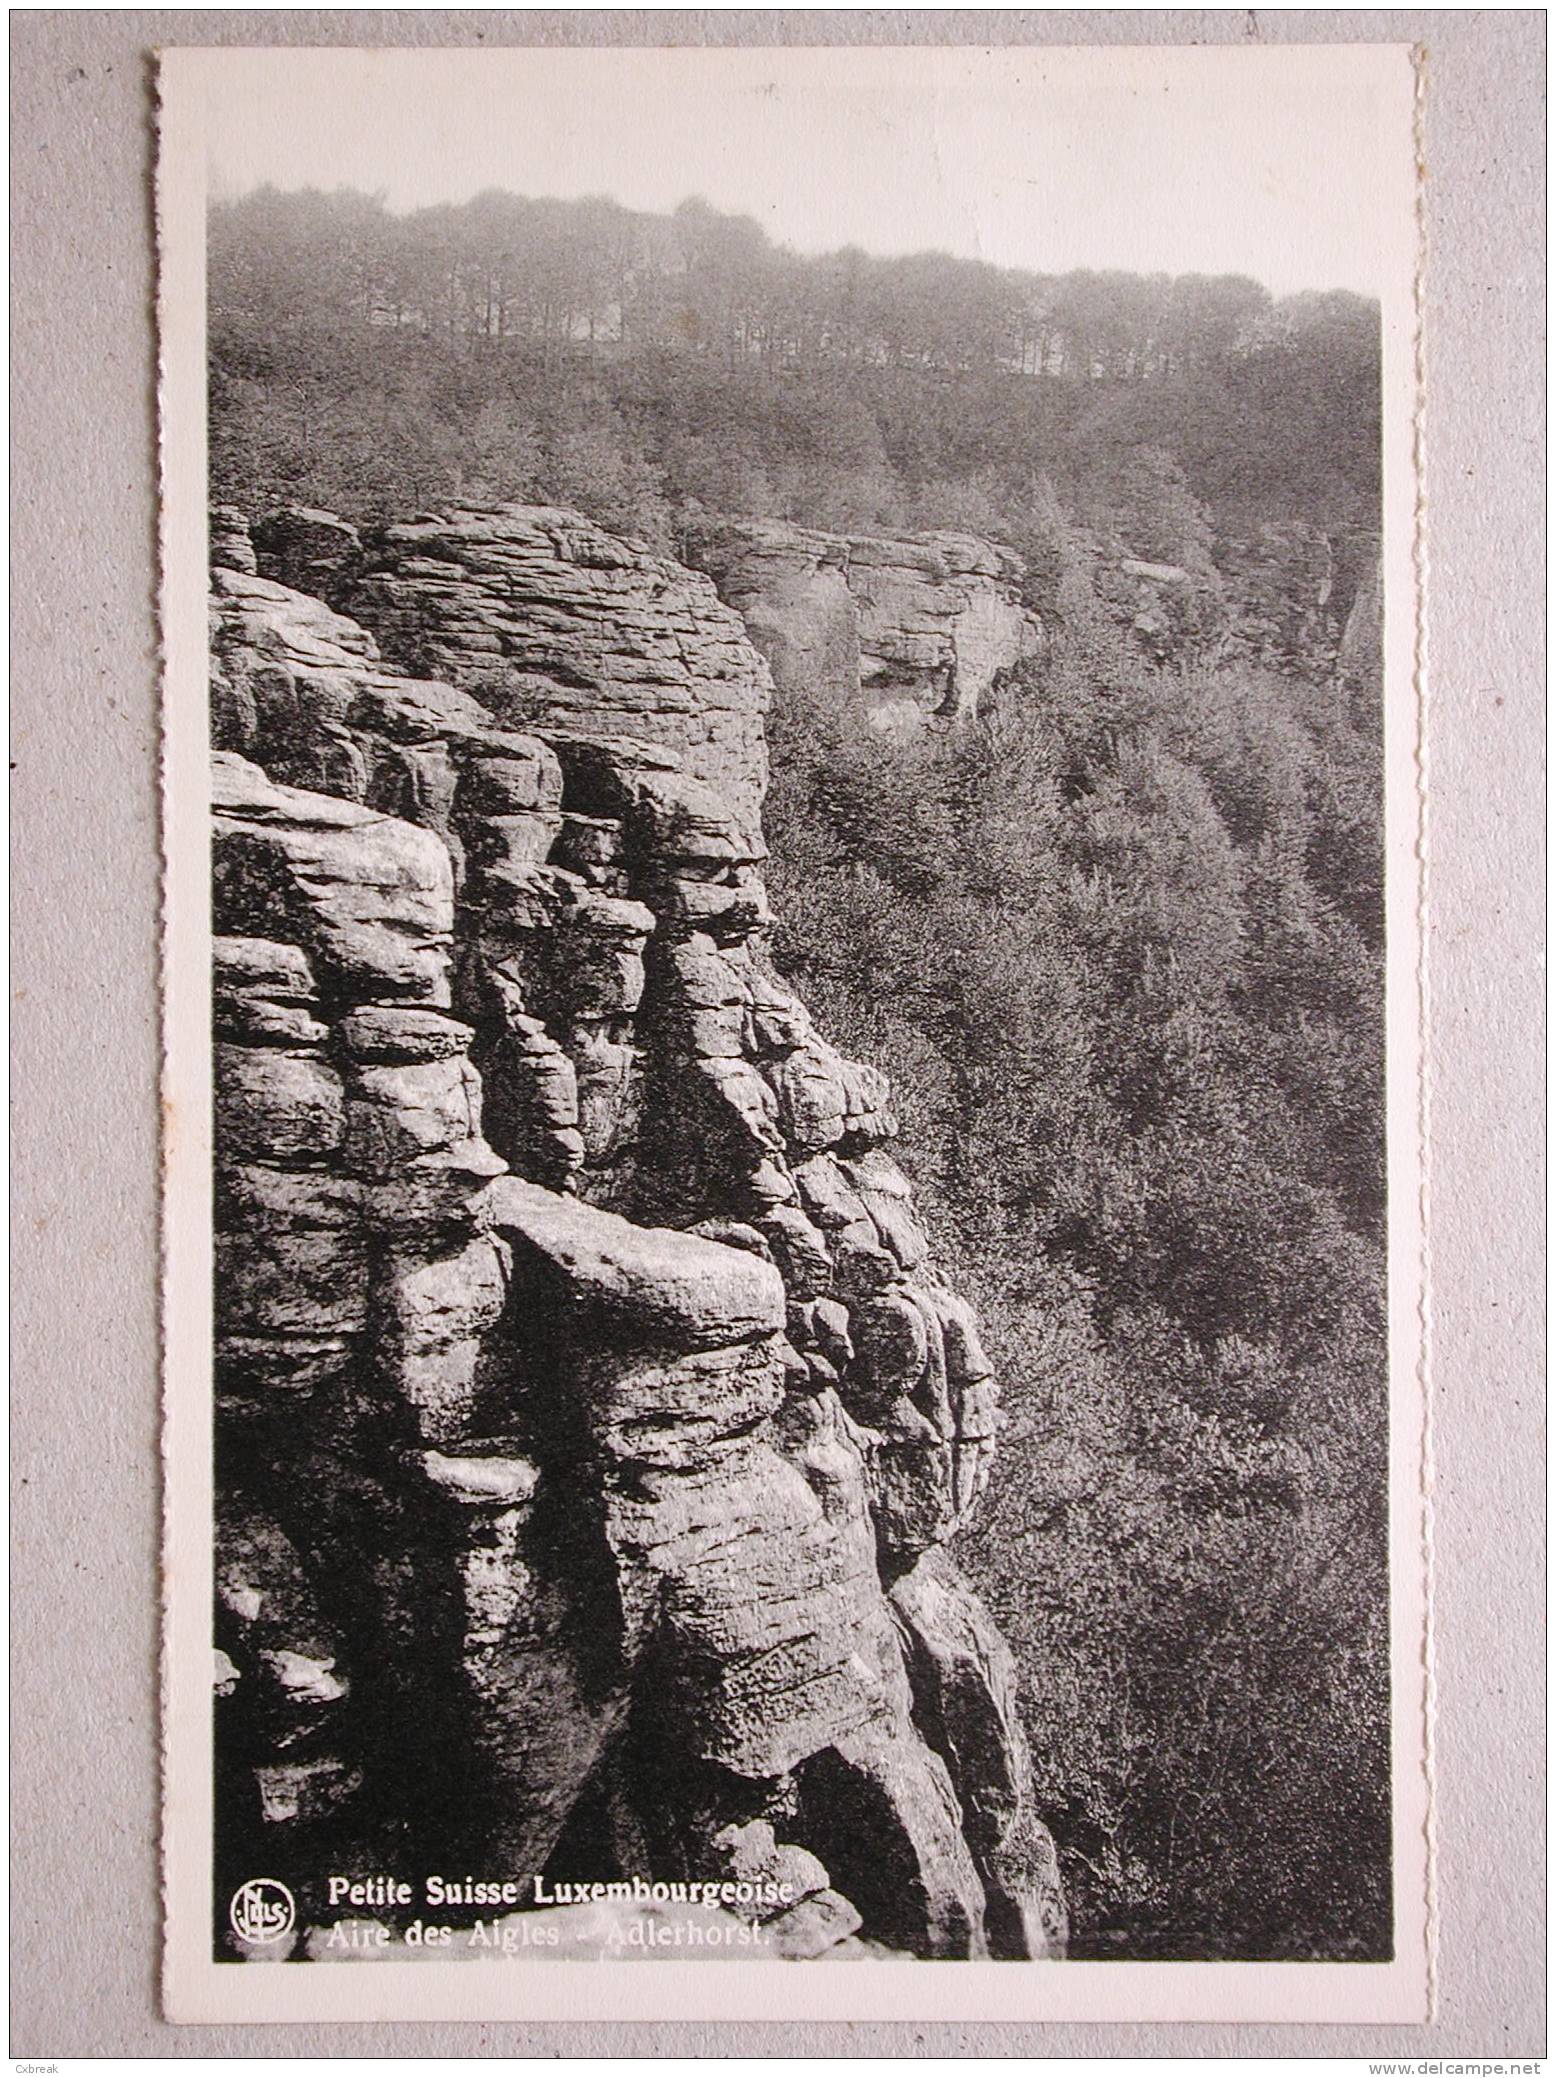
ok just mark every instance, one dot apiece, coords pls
pixel 1120 949
pixel 628 364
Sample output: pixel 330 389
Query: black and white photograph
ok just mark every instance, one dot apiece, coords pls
pixel 793 1250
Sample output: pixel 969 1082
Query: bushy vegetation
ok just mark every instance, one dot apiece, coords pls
pixel 1121 950
pixel 1120 944
pixel 643 368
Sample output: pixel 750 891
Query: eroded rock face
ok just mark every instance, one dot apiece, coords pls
pixel 554 623
pixel 1302 600
pixel 921 625
pixel 591 1416
pixel 1360 659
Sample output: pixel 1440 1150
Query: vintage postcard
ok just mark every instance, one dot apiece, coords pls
pixel 793 1251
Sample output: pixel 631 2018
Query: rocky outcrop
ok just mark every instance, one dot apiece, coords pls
pixel 553 623
pixel 1360 657
pixel 1301 600
pixel 1288 598
pixel 308 550
pixel 1173 616
pixel 922 625
pixel 592 1419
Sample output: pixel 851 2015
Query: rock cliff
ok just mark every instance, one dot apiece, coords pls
pixel 1301 601
pixel 592 1419
pixel 547 617
pixel 923 625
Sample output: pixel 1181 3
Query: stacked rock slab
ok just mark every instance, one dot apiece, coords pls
pixel 592 1420
pixel 921 625
pixel 549 618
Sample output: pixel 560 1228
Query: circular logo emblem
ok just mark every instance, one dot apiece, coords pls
pixel 262 1910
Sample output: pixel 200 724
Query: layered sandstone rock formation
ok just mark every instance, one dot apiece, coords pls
pixel 592 1419
pixel 923 625
pixel 548 618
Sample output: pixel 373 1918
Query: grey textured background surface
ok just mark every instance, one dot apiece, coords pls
pixel 85 1044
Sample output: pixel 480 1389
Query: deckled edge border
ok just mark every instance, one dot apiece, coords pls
pixel 1423 1053
pixel 165 1077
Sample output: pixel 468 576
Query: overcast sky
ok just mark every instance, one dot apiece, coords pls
pixel 1212 160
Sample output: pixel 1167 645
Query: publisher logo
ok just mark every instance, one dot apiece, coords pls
pixel 262 1910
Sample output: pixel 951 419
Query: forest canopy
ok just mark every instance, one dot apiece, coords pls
pixel 632 365
pixel 1121 952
